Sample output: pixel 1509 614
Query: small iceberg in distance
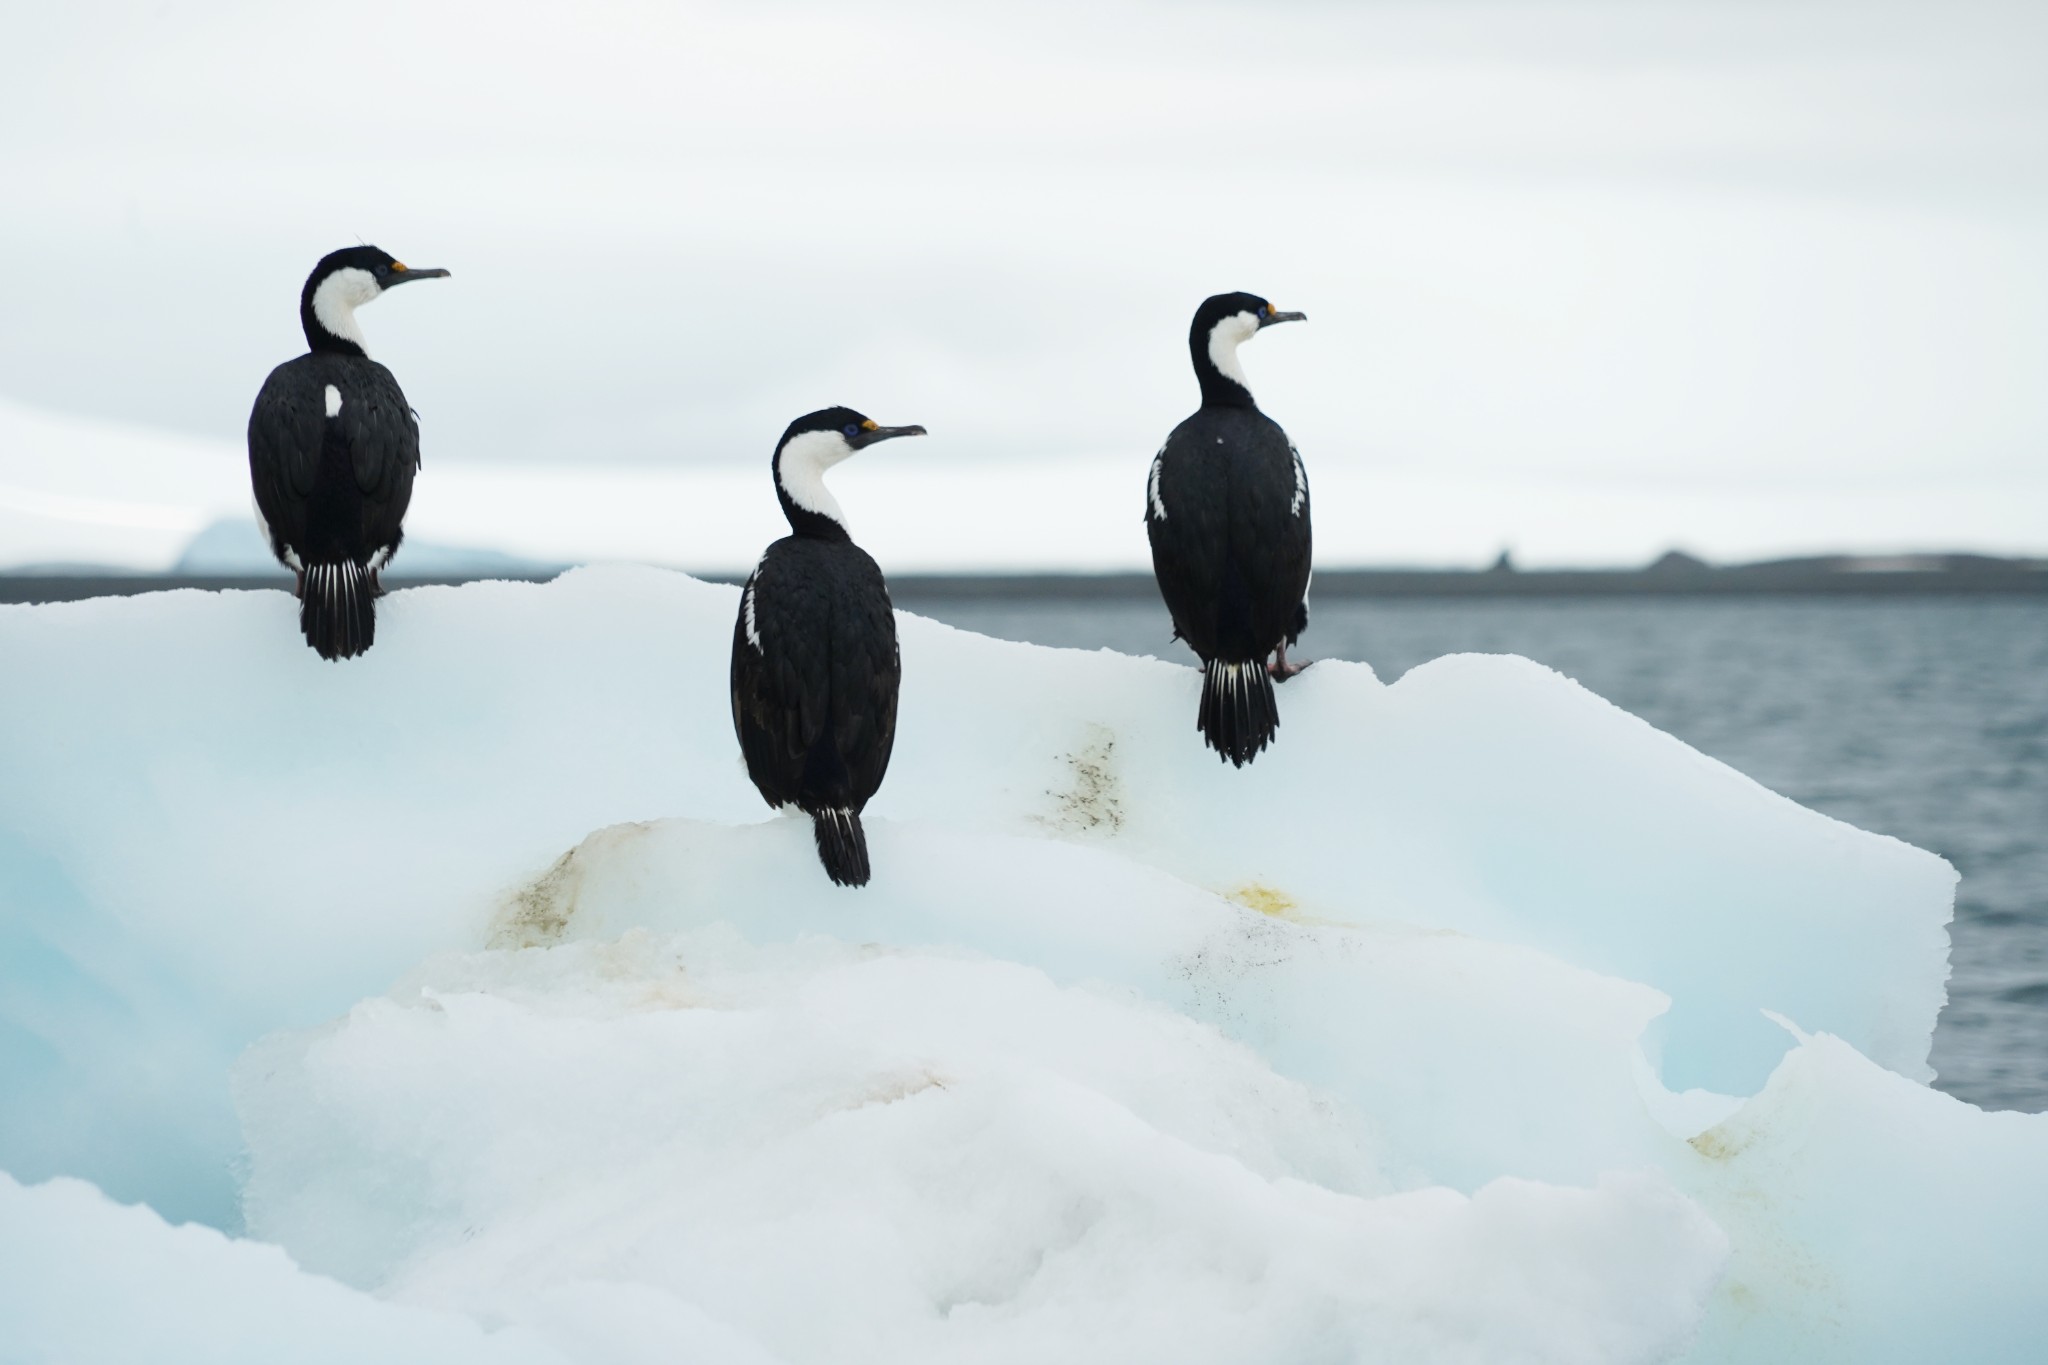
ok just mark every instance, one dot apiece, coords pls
pixel 234 546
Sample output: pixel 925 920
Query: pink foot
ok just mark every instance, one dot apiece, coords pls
pixel 1280 670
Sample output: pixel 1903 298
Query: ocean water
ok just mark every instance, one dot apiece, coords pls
pixel 1921 718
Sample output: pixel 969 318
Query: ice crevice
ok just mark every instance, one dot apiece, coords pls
pixel 472 995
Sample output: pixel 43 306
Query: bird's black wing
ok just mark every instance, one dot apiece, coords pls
pixel 1271 543
pixel 1186 520
pixel 867 674
pixel 382 438
pixel 286 428
pixel 780 658
pixel 1306 549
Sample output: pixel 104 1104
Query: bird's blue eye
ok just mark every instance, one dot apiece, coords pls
pixel 851 430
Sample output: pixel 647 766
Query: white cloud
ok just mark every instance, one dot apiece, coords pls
pixel 1690 246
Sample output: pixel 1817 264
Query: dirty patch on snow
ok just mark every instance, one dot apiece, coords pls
pixel 539 912
pixel 1093 802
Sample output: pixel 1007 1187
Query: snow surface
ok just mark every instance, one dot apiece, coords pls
pixel 474 976
pixel 84 1279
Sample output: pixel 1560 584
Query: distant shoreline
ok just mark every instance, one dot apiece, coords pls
pixel 1837 576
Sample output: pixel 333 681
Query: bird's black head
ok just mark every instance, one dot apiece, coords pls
pixel 1221 324
pixel 811 445
pixel 854 429
pixel 343 282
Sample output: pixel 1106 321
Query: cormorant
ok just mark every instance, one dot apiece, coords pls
pixel 814 661
pixel 333 446
pixel 1226 510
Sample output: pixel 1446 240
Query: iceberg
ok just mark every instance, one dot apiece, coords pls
pixel 470 997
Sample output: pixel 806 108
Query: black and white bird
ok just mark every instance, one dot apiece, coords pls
pixel 1226 509
pixel 333 447
pixel 814 662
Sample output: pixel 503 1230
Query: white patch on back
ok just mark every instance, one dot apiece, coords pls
pixel 1300 484
pixel 333 401
pixel 747 613
pixel 800 469
pixel 1152 485
pixel 1224 339
pixel 336 300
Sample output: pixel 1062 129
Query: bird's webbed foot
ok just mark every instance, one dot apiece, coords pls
pixel 1280 670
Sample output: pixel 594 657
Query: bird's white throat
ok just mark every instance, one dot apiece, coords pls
pixel 801 466
pixel 338 296
pixel 1224 339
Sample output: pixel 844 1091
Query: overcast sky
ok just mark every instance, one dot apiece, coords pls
pixel 1671 251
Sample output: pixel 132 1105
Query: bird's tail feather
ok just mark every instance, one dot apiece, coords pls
pixel 1239 713
pixel 338 608
pixel 842 845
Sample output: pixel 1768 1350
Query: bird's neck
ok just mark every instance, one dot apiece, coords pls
pixel 324 336
pixel 1217 370
pixel 327 313
pixel 809 505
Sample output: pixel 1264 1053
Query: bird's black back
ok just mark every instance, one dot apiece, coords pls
pixel 1233 550
pixel 814 701
pixel 333 489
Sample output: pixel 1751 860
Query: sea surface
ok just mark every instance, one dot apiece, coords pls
pixel 1924 718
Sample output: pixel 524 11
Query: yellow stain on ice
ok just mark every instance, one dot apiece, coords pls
pixel 1719 1143
pixel 1267 900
